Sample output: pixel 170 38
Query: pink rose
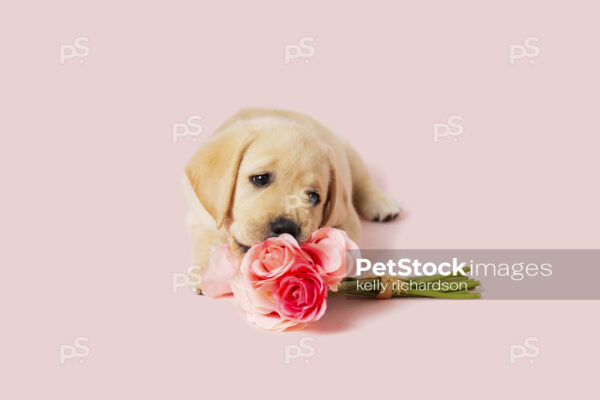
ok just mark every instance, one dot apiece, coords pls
pixel 328 247
pixel 281 285
pixel 301 293
pixel 259 308
pixel 220 267
pixel 266 261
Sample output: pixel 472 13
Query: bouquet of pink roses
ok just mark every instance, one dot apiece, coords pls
pixel 281 285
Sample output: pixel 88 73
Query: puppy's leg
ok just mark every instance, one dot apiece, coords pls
pixel 203 232
pixel 203 241
pixel 371 203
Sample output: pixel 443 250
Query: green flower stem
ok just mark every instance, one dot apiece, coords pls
pixel 351 286
pixel 470 283
pixel 438 277
pixel 443 295
pixel 454 279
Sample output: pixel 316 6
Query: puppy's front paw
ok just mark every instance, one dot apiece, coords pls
pixel 377 206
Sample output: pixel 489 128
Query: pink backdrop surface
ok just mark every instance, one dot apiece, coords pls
pixel 92 215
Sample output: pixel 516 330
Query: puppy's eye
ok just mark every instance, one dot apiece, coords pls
pixel 260 180
pixel 314 198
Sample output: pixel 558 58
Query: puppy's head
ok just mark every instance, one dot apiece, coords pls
pixel 260 179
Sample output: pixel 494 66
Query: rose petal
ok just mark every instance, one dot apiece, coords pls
pixel 218 272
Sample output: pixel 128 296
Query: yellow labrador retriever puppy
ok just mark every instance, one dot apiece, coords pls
pixel 265 172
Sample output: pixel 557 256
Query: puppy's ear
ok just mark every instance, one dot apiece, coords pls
pixel 213 171
pixel 338 200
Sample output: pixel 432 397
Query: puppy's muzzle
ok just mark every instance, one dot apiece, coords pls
pixel 281 225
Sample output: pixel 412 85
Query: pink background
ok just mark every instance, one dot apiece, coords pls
pixel 92 216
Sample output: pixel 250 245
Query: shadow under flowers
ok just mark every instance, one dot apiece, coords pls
pixel 345 312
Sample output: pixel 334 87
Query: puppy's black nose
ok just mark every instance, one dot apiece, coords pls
pixel 282 225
